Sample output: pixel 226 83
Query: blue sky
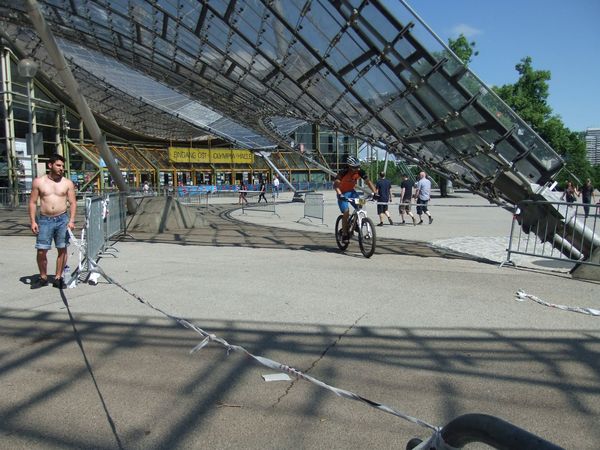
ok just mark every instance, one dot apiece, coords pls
pixel 560 36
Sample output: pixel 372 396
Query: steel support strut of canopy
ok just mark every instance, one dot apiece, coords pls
pixel 72 87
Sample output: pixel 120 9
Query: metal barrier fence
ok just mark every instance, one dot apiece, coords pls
pixel 105 218
pixel 115 215
pixel 193 190
pixel 94 234
pixel 10 198
pixel 267 206
pixel 556 230
pixel 200 199
pixel 314 206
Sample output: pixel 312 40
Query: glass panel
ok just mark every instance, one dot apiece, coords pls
pixel 45 116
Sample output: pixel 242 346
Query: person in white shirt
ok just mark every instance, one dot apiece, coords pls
pixel 276 186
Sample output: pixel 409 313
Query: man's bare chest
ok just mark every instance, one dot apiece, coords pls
pixel 51 188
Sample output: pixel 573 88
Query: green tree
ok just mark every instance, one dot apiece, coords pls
pixel 528 97
pixel 462 48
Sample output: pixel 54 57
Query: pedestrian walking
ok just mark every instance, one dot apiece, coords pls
pixel 587 196
pixel 262 188
pixel 406 190
pixel 423 195
pixel 383 191
pixel 243 193
pixel 276 186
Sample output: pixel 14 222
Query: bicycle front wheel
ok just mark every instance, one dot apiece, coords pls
pixel 366 237
pixel 342 245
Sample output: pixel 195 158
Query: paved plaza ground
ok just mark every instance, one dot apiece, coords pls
pixel 429 325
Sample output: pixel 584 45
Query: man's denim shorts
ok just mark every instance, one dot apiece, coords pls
pixel 52 228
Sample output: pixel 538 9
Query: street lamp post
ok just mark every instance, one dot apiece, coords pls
pixel 27 69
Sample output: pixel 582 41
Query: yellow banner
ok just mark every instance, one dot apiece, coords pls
pixel 189 155
pixel 242 156
pixel 220 156
pixel 215 156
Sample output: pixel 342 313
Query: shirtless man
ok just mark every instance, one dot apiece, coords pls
pixel 54 191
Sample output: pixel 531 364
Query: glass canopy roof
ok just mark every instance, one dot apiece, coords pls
pixel 269 65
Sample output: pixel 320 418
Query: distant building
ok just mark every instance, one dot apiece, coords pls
pixel 592 145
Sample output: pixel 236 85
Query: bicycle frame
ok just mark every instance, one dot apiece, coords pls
pixel 358 215
pixel 360 223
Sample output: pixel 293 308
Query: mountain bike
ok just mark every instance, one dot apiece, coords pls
pixel 358 223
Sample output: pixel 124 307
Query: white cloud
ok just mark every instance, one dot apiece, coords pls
pixel 467 30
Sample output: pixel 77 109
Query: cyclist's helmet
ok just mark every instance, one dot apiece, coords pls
pixel 352 161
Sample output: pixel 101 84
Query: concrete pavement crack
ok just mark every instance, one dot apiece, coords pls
pixel 321 356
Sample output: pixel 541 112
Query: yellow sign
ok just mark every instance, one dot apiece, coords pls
pixel 189 155
pixel 220 156
pixel 242 156
pixel 215 155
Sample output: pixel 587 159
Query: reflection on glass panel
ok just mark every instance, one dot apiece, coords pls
pixel 422 67
pixel 456 124
pixel 507 151
pixel 327 90
pixel 465 144
pixel 373 87
pixel 427 97
pixel 449 93
pixel 338 59
pixel 188 42
pixel 377 28
pixel 219 5
pixel 394 119
pixel 528 170
pixel 45 116
pixel 452 65
pixel 373 128
pixel 250 20
pixel 402 50
pixel 472 116
pixel 543 154
pixel 20 112
pixel 412 113
pixel 472 85
pixel 320 26
pixel 491 136
pixel 483 164
pixel 351 46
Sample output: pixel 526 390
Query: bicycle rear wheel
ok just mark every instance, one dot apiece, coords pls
pixel 338 234
pixel 366 237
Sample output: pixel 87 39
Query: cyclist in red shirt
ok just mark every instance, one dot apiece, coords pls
pixel 344 185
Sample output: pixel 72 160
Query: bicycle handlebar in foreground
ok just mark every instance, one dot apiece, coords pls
pixel 490 430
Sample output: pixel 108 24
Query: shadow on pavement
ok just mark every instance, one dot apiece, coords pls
pixel 135 385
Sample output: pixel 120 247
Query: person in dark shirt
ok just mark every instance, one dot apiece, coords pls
pixel 406 188
pixel 383 190
pixel 262 189
pixel 243 193
pixel 587 196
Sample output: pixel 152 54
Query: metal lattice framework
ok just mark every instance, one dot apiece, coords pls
pixel 354 66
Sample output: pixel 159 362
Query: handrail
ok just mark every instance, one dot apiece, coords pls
pixel 490 430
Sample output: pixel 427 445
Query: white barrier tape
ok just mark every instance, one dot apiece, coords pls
pixel 522 296
pixel 208 337
pixel 80 245
pixel 93 269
